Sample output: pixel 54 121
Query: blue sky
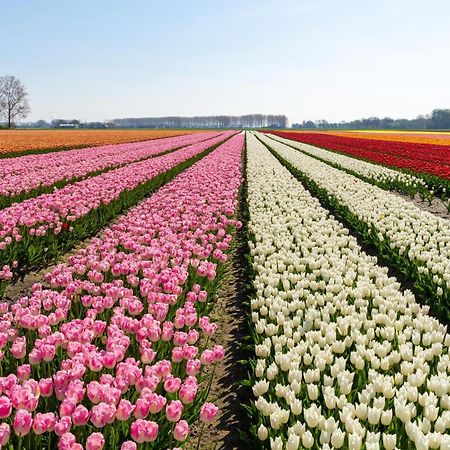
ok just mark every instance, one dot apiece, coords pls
pixel 322 59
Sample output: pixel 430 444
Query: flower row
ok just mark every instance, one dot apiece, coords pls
pixel 382 176
pixel 27 176
pixel 418 137
pixel 117 350
pixel 422 158
pixel 31 229
pixel 417 241
pixel 344 358
pixel 15 143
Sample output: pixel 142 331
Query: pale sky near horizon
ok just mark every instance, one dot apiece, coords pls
pixel 323 59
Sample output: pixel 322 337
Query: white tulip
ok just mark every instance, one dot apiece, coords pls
pixel 307 439
pixel 354 441
pixel 386 417
pixel 389 441
pixel 263 433
pixel 296 407
pixel 313 391
pixel 293 442
pixel 337 438
pixel 435 440
pixel 326 314
pixel 260 388
pixel 276 444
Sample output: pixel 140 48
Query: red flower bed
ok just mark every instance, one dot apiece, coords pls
pixel 425 158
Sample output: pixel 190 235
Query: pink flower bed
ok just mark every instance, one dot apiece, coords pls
pixel 27 173
pixel 114 354
pixel 51 213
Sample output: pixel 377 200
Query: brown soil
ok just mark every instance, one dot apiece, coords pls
pixel 22 287
pixel 226 389
pixel 436 207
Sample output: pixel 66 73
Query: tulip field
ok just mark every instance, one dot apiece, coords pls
pixel 426 157
pixel 117 341
pixel 19 142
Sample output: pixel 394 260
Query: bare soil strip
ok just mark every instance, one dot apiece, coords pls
pixel 436 207
pixel 227 391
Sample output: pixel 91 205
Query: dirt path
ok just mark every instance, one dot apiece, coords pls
pixel 436 207
pixel 22 286
pixel 226 389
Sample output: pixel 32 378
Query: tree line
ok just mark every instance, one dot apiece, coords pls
pixel 439 119
pixel 245 121
pixel 14 105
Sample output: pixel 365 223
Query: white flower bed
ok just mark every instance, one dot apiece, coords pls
pixel 417 235
pixel 368 170
pixel 344 358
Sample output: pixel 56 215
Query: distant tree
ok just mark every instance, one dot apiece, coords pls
pixel 246 121
pixel 440 118
pixel 13 99
pixel 323 124
pixel 309 124
pixel 41 124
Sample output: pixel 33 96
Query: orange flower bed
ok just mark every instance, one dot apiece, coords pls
pixel 419 137
pixel 23 140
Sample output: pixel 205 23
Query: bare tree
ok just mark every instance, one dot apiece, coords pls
pixel 13 99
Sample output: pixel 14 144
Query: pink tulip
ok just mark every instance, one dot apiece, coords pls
pixel 24 372
pixel 174 410
pixel 18 348
pixel 67 407
pixel 96 364
pixel 177 354
pixel 144 431
pixel 142 408
pixel 172 384
pixel 23 421
pixel 187 393
pixel 190 352
pixel 207 357
pixel 124 410
pixel 63 425
pixel 46 387
pixel 5 433
pixel 67 441
pixel 219 353
pixel 80 416
pixel 208 412
pixel 147 356
pixel 43 423
pixel 157 403
pixel 151 431
pixel 181 431
pixel 128 445
pixel 109 360
pixel 102 414
pixel 95 441
pixel 5 407
pixel 193 336
pixel 193 367
pixel 137 431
